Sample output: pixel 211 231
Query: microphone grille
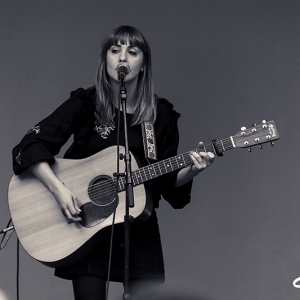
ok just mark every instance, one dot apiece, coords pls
pixel 123 68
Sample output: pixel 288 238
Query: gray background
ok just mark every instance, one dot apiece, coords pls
pixel 224 65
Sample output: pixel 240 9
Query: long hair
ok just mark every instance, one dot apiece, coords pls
pixel 145 109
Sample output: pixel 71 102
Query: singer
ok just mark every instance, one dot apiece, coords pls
pixel 90 115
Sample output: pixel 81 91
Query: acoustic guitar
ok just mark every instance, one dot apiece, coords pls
pixel 45 233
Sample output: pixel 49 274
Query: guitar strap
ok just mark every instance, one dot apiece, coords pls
pixel 149 141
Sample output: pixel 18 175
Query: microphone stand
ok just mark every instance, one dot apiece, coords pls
pixel 128 219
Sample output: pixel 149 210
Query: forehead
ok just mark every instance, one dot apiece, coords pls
pixel 127 46
pixel 125 38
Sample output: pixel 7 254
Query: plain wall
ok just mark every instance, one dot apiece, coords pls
pixel 224 65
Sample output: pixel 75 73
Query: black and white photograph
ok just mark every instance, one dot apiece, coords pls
pixel 149 150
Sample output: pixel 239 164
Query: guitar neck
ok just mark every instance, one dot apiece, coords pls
pixel 180 161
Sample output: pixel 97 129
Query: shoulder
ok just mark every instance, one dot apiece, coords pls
pixel 84 95
pixel 166 117
pixel 80 101
pixel 166 109
pixel 163 104
pixel 80 104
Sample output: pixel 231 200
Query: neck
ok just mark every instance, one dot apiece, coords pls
pixel 131 87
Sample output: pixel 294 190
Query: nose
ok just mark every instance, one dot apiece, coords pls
pixel 123 57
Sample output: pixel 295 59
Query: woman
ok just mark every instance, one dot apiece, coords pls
pixel 91 116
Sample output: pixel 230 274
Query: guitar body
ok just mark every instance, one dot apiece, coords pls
pixel 39 223
pixel 43 230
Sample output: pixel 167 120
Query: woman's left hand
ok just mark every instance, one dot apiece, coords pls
pixel 201 160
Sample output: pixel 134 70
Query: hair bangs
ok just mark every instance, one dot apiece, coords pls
pixel 131 36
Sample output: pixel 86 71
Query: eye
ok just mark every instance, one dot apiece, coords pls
pixel 114 50
pixel 132 52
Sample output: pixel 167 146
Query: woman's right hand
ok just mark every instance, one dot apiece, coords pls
pixel 68 203
pixel 66 200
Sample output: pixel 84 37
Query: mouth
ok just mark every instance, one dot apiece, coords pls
pixel 124 67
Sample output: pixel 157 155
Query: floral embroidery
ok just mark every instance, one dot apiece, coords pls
pixel 18 158
pixel 35 129
pixel 101 128
pixel 150 140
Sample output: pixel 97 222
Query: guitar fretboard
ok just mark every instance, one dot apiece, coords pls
pixel 168 165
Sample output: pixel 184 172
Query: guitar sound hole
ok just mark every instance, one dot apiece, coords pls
pixel 102 190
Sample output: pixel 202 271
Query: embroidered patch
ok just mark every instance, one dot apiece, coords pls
pixel 149 140
pixel 18 158
pixel 101 128
pixel 35 129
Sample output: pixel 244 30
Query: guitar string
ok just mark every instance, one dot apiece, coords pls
pixel 225 143
pixel 222 144
pixel 104 188
pixel 157 167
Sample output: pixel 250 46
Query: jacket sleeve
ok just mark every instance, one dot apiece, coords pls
pixel 45 139
pixel 177 197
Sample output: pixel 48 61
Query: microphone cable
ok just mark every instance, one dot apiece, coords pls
pixel 6 236
pixel 18 268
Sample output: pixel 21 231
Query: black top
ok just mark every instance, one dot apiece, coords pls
pixel 78 116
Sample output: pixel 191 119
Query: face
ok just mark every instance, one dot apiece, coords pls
pixel 132 56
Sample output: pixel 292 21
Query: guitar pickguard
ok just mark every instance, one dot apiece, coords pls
pixel 102 204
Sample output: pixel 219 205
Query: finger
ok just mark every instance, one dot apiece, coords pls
pixel 73 207
pixel 196 155
pixel 197 160
pixel 70 217
pixel 205 156
pixel 71 213
pixel 208 157
pixel 201 147
pixel 211 156
pixel 76 206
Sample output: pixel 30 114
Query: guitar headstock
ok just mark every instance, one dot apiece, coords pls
pixel 256 135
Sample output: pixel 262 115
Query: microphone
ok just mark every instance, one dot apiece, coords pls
pixel 123 69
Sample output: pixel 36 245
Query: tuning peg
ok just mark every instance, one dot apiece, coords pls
pixel 260 146
pixel 254 129
pixel 264 124
pixel 272 143
pixel 249 149
pixel 243 130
